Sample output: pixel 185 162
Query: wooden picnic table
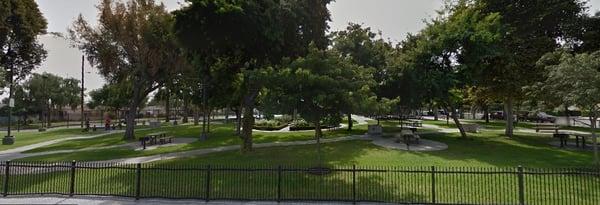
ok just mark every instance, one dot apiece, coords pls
pixel 564 136
pixel 154 138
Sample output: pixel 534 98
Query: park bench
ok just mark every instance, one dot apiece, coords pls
pixel 542 127
pixel 472 128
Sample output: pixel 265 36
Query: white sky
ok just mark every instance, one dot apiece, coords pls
pixel 394 18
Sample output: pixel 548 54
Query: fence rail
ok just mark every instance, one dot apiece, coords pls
pixel 421 185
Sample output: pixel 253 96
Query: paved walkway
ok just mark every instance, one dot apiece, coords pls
pixel 424 145
pixel 205 151
pixel 93 200
pixel 46 143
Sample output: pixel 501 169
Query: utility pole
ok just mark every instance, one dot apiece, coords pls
pixel 82 89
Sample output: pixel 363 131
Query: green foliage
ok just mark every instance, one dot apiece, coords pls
pixel 132 45
pixel 20 24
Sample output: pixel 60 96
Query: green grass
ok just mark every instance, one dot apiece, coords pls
pixel 31 137
pixel 489 151
pixel 221 135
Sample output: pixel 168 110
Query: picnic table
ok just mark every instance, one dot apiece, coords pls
pixel 579 137
pixel 544 126
pixel 155 138
pixel 412 123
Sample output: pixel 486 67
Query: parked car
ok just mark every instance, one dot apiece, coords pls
pixel 540 117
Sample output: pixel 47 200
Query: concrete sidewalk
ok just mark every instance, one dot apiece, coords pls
pixel 96 200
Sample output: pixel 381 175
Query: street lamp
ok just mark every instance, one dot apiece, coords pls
pixel 9 139
pixel 204 135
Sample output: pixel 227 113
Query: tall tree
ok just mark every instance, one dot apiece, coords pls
pixel 257 33
pixel 533 28
pixel 575 80
pixel 20 23
pixel 133 45
pixel 361 46
pixel 319 84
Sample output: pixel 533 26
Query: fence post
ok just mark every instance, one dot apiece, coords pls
pixel 354 184
pixel 207 188
pixel 138 180
pixel 433 184
pixel 521 185
pixel 279 183
pixel 72 182
pixel 6 174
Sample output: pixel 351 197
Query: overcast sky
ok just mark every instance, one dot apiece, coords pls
pixel 394 18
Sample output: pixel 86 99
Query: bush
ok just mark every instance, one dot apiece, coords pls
pixel 269 125
pixel 303 125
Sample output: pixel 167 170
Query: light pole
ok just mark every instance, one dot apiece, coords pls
pixel 82 89
pixel 9 139
pixel 203 136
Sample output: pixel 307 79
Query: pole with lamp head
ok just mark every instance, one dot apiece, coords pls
pixel 9 139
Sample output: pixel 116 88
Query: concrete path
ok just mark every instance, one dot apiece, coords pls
pixel 205 151
pixel 46 143
pixel 424 145
pixel 133 145
pixel 97 200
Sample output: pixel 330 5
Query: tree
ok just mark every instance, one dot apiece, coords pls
pixel 450 50
pixel 362 48
pixel 20 23
pixel 111 97
pixel 532 29
pixel 258 34
pixel 320 83
pixel 132 45
pixel 575 80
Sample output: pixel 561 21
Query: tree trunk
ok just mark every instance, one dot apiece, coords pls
pixel 318 135
pixel 196 116
pixel 130 119
pixel 238 120
pixel 209 113
pixel 248 119
pixel 508 115
pixel 350 122
pixel 463 134
pixel 435 114
pixel 568 115
pixel 593 119
pixel 168 107
pixel 486 114
pixel 185 111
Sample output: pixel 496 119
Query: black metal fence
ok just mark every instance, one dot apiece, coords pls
pixel 421 185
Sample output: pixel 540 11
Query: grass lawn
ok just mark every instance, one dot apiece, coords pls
pixel 31 137
pixel 498 125
pixel 221 135
pixel 489 151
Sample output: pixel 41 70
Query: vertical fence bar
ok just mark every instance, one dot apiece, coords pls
pixel 207 187
pixel 521 185
pixel 279 183
pixel 138 181
pixel 433 184
pixel 6 174
pixel 354 183
pixel 72 182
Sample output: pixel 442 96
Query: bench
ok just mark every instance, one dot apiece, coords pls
pixel 542 127
pixel 472 128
